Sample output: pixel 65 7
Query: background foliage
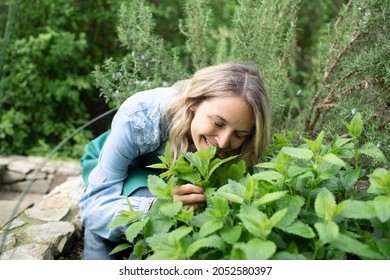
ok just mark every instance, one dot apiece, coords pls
pixel 322 61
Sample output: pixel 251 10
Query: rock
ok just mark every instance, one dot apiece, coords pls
pixel 60 234
pixel 29 252
pixel 10 177
pixel 47 214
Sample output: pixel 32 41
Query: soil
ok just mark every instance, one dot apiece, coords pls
pixel 76 253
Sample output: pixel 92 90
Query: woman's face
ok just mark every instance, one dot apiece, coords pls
pixel 223 122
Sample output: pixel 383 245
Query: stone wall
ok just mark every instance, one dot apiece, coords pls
pixel 43 223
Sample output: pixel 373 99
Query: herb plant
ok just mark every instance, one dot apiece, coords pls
pixel 312 200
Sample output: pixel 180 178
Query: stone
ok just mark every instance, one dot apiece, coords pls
pixel 11 209
pixel 22 166
pixel 16 223
pixel 8 242
pixel 38 186
pixel 29 252
pixel 60 234
pixel 39 176
pixel 47 214
pixel 10 177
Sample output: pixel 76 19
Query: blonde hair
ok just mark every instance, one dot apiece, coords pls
pixel 227 79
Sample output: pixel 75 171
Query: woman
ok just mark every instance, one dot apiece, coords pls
pixel 225 105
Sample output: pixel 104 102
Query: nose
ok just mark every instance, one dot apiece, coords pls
pixel 223 139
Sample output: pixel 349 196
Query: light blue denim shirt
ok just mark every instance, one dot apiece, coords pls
pixel 137 128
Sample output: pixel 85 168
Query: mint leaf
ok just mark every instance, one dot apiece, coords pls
pixel 300 153
pixel 359 210
pixel 135 228
pixel 325 204
pixel 327 231
pixel 369 149
pixel 355 127
pixel 231 235
pixel 269 197
pixel 210 227
pixel 382 207
pixel 300 229
pixel 213 241
pixel 255 249
pixel 171 209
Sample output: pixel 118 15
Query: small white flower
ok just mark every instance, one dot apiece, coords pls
pixel 299 92
pixel 378 144
pixel 353 111
pixel 117 92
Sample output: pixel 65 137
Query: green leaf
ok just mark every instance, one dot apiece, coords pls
pixel 268 176
pixel 300 153
pixel 179 233
pixel 295 170
pixel 200 163
pixel 185 215
pixel 135 228
pixel 350 178
pixel 384 247
pixel 213 241
pixel 233 191
pixel 351 245
pixel 231 235
pixel 340 142
pixel 192 177
pixel 277 216
pixel 120 248
pixel 266 165
pixel 159 188
pixel 207 154
pixel 369 149
pixel 340 207
pixel 288 256
pixel 125 218
pixel 255 249
pixel 220 207
pixel 171 209
pixel 255 221
pixel 217 163
pixel 300 229
pixel 315 146
pixel 358 210
pixel 355 128
pixel 294 205
pixel 210 227
pixel 382 207
pixel 325 204
pixel 269 197
pixel 327 231
pixel 157 166
pixel 333 159
pixel 379 181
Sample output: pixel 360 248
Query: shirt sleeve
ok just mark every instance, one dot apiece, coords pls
pixel 136 130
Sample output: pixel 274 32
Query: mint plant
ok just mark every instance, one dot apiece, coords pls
pixel 311 200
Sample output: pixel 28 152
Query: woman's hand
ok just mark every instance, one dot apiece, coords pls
pixel 190 195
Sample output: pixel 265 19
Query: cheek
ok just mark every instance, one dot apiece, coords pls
pixel 237 143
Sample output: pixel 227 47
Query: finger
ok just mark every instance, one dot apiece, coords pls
pixel 192 198
pixel 187 189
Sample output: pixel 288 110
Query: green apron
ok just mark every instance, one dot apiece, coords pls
pixel 137 173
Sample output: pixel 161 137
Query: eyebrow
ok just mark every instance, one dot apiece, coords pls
pixel 225 121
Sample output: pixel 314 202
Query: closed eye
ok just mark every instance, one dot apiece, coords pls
pixel 218 125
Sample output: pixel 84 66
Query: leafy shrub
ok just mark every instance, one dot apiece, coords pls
pixel 309 201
